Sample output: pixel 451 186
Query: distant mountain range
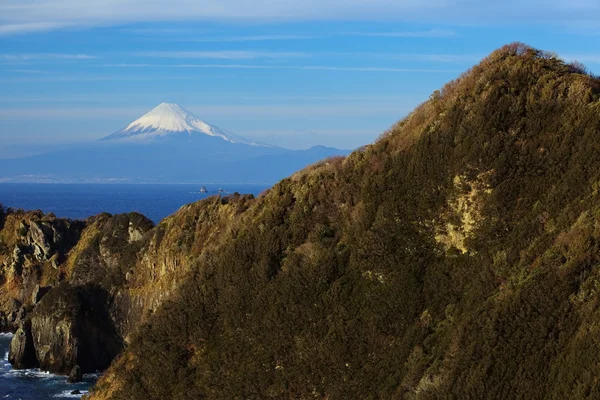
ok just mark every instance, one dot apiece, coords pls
pixel 166 145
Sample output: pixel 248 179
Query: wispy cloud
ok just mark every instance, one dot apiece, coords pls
pixel 253 55
pixel 89 78
pixel 29 27
pixel 18 16
pixel 128 98
pixel 432 33
pixel 164 31
pixel 27 71
pixel 443 58
pixel 374 69
pixel 259 112
pixel 250 38
pixel 223 55
pixel 44 56
pixel 59 113
pixel 289 67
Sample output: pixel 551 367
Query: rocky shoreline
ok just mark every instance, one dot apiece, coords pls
pixel 73 292
pixel 57 281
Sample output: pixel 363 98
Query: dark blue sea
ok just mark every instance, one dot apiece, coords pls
pixel 79 201
pixel 33 384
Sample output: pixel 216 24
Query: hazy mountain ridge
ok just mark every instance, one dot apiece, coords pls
pixel 166 145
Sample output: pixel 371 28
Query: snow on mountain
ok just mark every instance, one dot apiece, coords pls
pixel 171 119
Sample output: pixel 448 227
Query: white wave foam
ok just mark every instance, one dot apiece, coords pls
pixel 66 394
pixel 6 335
pixel 33 373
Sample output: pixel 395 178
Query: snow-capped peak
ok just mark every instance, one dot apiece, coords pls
pixel 168 119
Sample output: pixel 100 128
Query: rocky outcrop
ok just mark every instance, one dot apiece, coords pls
pixel 70 327
pixel 32 246
pixel 75 375
pixel 58 279
pixel 85 287
pixel 22 352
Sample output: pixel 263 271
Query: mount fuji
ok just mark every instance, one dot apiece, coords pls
pixel 167 120
pixel 168 144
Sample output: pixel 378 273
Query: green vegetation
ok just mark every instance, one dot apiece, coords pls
pixel 457 257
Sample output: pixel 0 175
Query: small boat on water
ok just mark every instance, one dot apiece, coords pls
pixel 221 190
pixel 203 189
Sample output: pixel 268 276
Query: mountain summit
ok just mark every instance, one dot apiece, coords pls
pixel 168 119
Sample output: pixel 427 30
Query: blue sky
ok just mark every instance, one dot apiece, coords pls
pixel 288 72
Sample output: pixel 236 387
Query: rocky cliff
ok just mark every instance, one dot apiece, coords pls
pixel 75 290
pixel 58 279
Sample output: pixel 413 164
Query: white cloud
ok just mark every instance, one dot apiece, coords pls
pixel 44 56
pixel 250 38
pixel 163 31
pixel 432 33
pixel 259 112
pixel 35 15
pixel 128 98
pixel 29 27
pixel 88 78
pixel 290 67
pixel 223 55
pixel 64 113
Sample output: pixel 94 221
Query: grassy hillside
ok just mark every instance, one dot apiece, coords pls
pixel 458 256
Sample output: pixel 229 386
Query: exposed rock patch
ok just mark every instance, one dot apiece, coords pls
pixel 464 211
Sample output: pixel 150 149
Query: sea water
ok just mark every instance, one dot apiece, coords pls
pixel 33 384
pixel 79 201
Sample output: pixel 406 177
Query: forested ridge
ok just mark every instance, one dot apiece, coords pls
pixel 456 257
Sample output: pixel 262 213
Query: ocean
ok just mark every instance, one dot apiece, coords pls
pixel 79 201
pixel 33 384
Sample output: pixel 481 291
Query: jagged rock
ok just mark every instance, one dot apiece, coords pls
pixel 40 238
pixel 114 246
pixel 75 392
pixel 71 328
pixel 22 352
pixel 13 308
pixel 15 266
pixel 38 293
pixel 75 375
pixel 21 314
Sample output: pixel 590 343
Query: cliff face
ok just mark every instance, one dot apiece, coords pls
pixel 76 290
pixel 32 246
pixel 58 278
pixel 71 327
